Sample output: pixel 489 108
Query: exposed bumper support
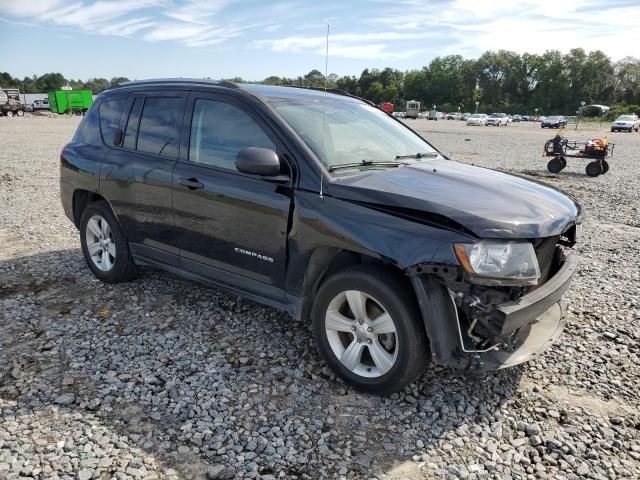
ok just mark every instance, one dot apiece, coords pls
pixel 531 323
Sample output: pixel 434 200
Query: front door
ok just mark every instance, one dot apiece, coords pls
pixel 231 226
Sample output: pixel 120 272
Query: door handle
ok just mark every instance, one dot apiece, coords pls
pixel 191 183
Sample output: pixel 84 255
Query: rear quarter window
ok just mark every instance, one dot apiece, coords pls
pixel 110 113
pixel 88 132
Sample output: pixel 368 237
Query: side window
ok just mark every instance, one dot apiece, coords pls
pixel 159 126
pixel 219 131
pixel 110 112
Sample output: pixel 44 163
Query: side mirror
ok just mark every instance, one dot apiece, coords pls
pixel 118 137
pixel 258 161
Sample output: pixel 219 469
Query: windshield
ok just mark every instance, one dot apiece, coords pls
pixel 476 115
pixel 353 132
pixel 627 118
pixel 553 118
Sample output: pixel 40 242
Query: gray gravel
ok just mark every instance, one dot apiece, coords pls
pixel 163 378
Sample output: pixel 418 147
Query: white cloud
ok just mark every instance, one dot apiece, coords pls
pixel 196 11
pixel 532 26
pixel 374 45
pixel 28 8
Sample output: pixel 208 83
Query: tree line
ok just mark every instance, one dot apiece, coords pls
pixel 504 81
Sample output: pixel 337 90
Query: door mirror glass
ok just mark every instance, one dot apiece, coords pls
pixel 258 161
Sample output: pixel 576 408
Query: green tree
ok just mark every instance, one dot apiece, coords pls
pixel 50 81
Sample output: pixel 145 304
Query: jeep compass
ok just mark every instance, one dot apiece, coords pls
pixel 320 204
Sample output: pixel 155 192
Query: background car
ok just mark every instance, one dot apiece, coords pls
pixel 497 120
pixel 516 118
pixel 477 119
pixel 453 115
pixel 555 121
pixel 626 123
pixel 465 116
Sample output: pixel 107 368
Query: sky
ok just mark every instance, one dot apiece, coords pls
pixel 254 39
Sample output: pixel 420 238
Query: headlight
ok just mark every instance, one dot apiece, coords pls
pixel 499 263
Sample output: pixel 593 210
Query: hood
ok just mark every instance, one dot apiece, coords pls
pixel 485 202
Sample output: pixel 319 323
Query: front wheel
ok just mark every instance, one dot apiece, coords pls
pixel 20 113
pixel 105 248
pixel 368 329
pixel 9 113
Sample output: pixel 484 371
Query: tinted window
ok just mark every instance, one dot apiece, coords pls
pixel 88 131
pixel 159 126
pixel 219 131
pixel 110 112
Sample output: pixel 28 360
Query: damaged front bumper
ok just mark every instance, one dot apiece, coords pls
pixel 468 334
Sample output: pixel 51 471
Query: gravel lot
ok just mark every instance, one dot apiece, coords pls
pixel 163 378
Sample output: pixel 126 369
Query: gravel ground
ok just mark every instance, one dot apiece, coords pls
pixel 163 378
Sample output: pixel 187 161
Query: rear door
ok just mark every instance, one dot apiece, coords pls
pixel 232 226
pixel 138 173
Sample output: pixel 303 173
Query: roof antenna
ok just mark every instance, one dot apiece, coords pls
pixel 324 111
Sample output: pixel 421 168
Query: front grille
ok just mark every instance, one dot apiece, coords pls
pixel 546 252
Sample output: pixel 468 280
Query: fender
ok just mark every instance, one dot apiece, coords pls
pixel 341 225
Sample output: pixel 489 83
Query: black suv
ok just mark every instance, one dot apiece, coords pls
pixel 321 204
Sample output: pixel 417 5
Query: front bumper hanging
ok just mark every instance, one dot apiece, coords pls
pixel 531 323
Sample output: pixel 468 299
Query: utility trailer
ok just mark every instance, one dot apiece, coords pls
pixel 70 101
pixel 10 104
pixel 597 149
pixel 412 109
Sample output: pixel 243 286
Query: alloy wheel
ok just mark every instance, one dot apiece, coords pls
pixel 100 243
pixel 361 334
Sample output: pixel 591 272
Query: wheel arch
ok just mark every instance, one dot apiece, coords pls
pixel 326 261
pixel 81 200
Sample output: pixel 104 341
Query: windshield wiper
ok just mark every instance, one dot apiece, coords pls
pixel 366 163
pixel 418 155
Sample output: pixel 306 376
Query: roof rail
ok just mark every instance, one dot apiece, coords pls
pixel 335 91
pixel 188 81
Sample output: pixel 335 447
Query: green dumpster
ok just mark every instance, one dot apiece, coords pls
pixel 70 101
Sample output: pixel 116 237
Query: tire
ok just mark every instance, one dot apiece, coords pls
pixel 593 169
pixel 20 113
pixel 605 166
pixel 564 162
pixel 401 355
pixel 612 130
pixel 111 261
pixel 9 113
pixel 555 165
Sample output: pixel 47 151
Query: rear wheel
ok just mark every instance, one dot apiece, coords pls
pixel 9 113
pixel 605 166
pixel 593 169
pixel 20 113
pixel 368 329
pixel 105 248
